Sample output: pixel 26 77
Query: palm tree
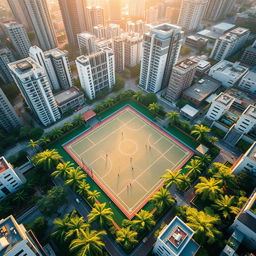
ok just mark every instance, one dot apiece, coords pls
pixel 88 244
pixel 203 225
pixel 171 177
pixel 74 177
pixel 138 96
pixel 62 170
pixel 144 220
pixel 20 196
pixel 100 214
pixel 162 198
pixel 44 141
pixel 109 102
pixel 33 144
pixel 173 117
pixel 93 196
pixel 226 177
pixel 200 131
pixel 126 237
pixel 67 126
pixel 205 159
pixel 209 188
pixel 154 108
pixel 61 228
pixel 83 188
pixel 78 121
pixel 213 139
pixel 48 158
pixel 194 167
pixel 76 227
pixel 56 133
pixel 226 205
pixel 183 183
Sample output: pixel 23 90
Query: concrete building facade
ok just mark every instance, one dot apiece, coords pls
pixel 86 43
pixel 6 57
pixel 94 17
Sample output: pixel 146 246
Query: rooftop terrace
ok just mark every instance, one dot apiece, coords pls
pixel 224 99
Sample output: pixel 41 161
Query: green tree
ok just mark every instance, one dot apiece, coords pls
pixel 93 196
pixel 154 108
pixel 205 159
pixel 63 169
pixel 194 167
pixel 76 227
pixel 173 117
pixel 213 139
pixel 208 188
pixel 33 145
pixel 200 131
pixel 171 177
pixel 162 199
pixel 88 244
pixel 67 127
pixel 149 98
pixel 185 50
pixel 226 205
pixel 44 141
pixel 48 159
pixel 55 134
pixel 20 196
pixel 226 177
pixel 126 237
pixel 100 214
pixel 50 202
pixel 38 226
pixel 74 177
pixel 144 220
pixel 78 120
pixel 83 188
pixel 183 183
pixel 138 96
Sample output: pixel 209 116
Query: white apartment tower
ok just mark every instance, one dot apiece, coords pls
pixel 136 9
pixel 94 17
pixel 119 53
pixel 161 47
pixel 136 27
pixel 40 18
pixel 248 82
pixel 8 117
pixel 6 57
pixel 19 38
pixel 133 49
pixel 86 43
pixel 191 14
pixel 220 105
pixel 33 83
pixel 181 78
pixel 17 241
pixel 56 65
pixel 229 43
pixel 9 180
pixel 96 72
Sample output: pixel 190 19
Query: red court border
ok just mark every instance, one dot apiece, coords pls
pixel 128 214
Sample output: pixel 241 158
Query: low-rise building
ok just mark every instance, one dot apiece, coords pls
pixel 249 55
pixel 247 121
pixel 247 162
pixel 69 99
pixel 228 73
pixel 15 240
pixel 176 239
pixel 203 66
pixel 9 180
pixel 189 112
pixel 248 82
pixel 200 91
pixel 220 105
pixel 196 41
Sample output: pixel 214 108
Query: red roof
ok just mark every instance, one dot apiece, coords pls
pixel 88 115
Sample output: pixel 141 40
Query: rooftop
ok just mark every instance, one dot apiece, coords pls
pixel 55 53
pixel 240 31
pixel 186 64
pixel 165 30
pixel 3 165
pixel 202 89
pixel 67 95
pixel 189 110
pixel 250 111
pixel 224 99
pixel 10 235
pixel 177 236
pixel 197 38
pixel 223 26
pixel 4 51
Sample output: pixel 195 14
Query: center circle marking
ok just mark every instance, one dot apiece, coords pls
pixel 128 147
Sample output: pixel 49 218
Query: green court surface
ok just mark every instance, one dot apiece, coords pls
pixel 126 155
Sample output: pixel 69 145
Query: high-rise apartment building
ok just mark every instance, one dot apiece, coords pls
pixel 8 117
pixel 6 57
pixel 249 55
pixel 136 27
pixel 56 65
pixel 40 18
pixel 86 43
pixel 94 17
pixel 229 43
pixel 20 13
pixel 115 11
pixel 136 9
pixel 181 78
pixel 33 83
pixel 9 180
pixel 161 47
pixel 152 15
pixel 132 49
pixel 118 47
pixel 17 241
pixel 111 31
pixel 191 14
pixel 96 72
pixel 19 38
pixel 73 15
pixel 218 9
